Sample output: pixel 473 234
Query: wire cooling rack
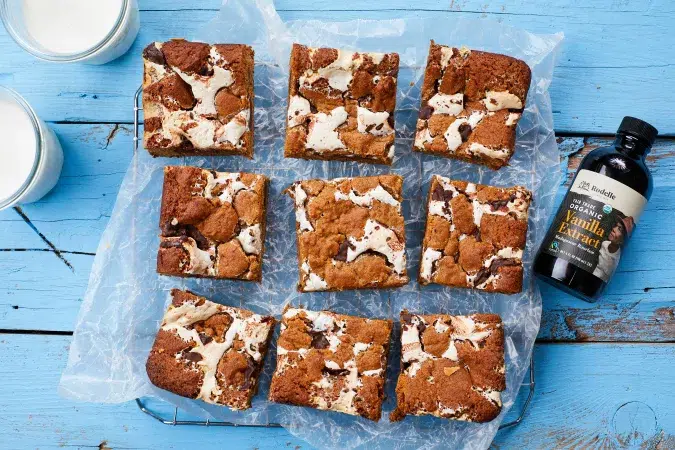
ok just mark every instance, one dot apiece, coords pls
pixel 173 419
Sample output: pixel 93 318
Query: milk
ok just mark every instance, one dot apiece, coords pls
pixel 30 154
pixel 95 31
pixel 17 152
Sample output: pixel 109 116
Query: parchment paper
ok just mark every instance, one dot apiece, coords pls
pixel 125 299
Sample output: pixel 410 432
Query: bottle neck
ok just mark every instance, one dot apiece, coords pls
pixel 631 145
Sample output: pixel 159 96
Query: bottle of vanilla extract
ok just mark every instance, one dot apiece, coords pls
pixel 600 212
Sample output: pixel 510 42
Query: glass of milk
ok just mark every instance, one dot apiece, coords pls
pixel 91 31
pixel 31 157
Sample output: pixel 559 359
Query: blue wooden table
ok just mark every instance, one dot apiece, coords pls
pixel 604 371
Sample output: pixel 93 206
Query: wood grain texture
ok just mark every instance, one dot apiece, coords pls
pixel 605 399
pixel 604 69
pixel 638 305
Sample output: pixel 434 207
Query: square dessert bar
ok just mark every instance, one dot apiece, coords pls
pixel 451 367
pixel 212 224
pixel 208 351
pixel 198 99
pixel 332 362
pixel 471 104
pixel 350 233
pixel 475 236
pixel 341 105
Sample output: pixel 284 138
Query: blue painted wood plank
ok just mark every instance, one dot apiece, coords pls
pixel 587 395
pixel 604 71
pixel 39 291
pixel 75 213
pixel 638 305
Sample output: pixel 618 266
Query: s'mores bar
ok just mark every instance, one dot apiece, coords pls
pixel 350 233
pixel 341 105
pixel 471 104
pixel 331 362
pixel 212 224
pixel 475 236
pixel 198 99
pixel 451 367
pixel 209 351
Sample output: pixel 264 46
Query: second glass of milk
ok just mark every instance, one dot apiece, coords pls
pixel 91 31
pixel 31 157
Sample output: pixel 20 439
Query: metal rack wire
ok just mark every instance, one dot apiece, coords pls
pixel 173 419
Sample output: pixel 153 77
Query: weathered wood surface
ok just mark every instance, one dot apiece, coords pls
pixel 614 60
pixel 638 305
pixel 617 59
pixel 587 396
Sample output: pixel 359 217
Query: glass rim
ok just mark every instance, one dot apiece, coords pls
pixel 12 199
pixel 60 57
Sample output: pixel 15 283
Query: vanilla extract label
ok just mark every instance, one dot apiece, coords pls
pixel 598 216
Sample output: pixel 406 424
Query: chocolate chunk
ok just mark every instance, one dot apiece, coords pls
pixel 426 112
pixel 502 262
pixel 406 317
pixel 464 131
pixel 248 374
pixel 319 340
pixel 169 230
pixel 205 338
pixel 191 356
pixel 336 372
pixel 154 55
pixel 342 251
pixel 421 326
pixel 174 243
pixel 482 276
pixel 441 195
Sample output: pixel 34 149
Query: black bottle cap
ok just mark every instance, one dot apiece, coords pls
pixel 638 128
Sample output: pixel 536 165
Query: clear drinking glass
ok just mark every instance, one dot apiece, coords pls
pixel 114 44
pixel 47 162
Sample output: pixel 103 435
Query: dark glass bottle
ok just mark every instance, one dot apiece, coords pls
pixel 599 213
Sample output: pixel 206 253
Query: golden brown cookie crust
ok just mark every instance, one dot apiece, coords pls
pixel 212 224
pixel 475 236
pixel 341 105
pixel 350 233
pixel 209 351
pixel 331 362
pixel 471 104
pixel 451 367
pixel 198 99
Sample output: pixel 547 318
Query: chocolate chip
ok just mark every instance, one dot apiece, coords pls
pixel 426 112
pixel 180 230
pixel 465 131
pixel 421 326
pixel 174 243
pixel 502 262
pixel 335 372
pixel 342 251
pixel 439 194
pixel 154 55
pixel 406 317
pixel 191 356
pixel 369 128
pixel 482 276
pixel 319 340
pixel 498 204
pixel 379 127
pixel 248 374
pixel 205 338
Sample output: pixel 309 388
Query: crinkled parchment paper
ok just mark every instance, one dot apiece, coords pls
pixel 125 299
